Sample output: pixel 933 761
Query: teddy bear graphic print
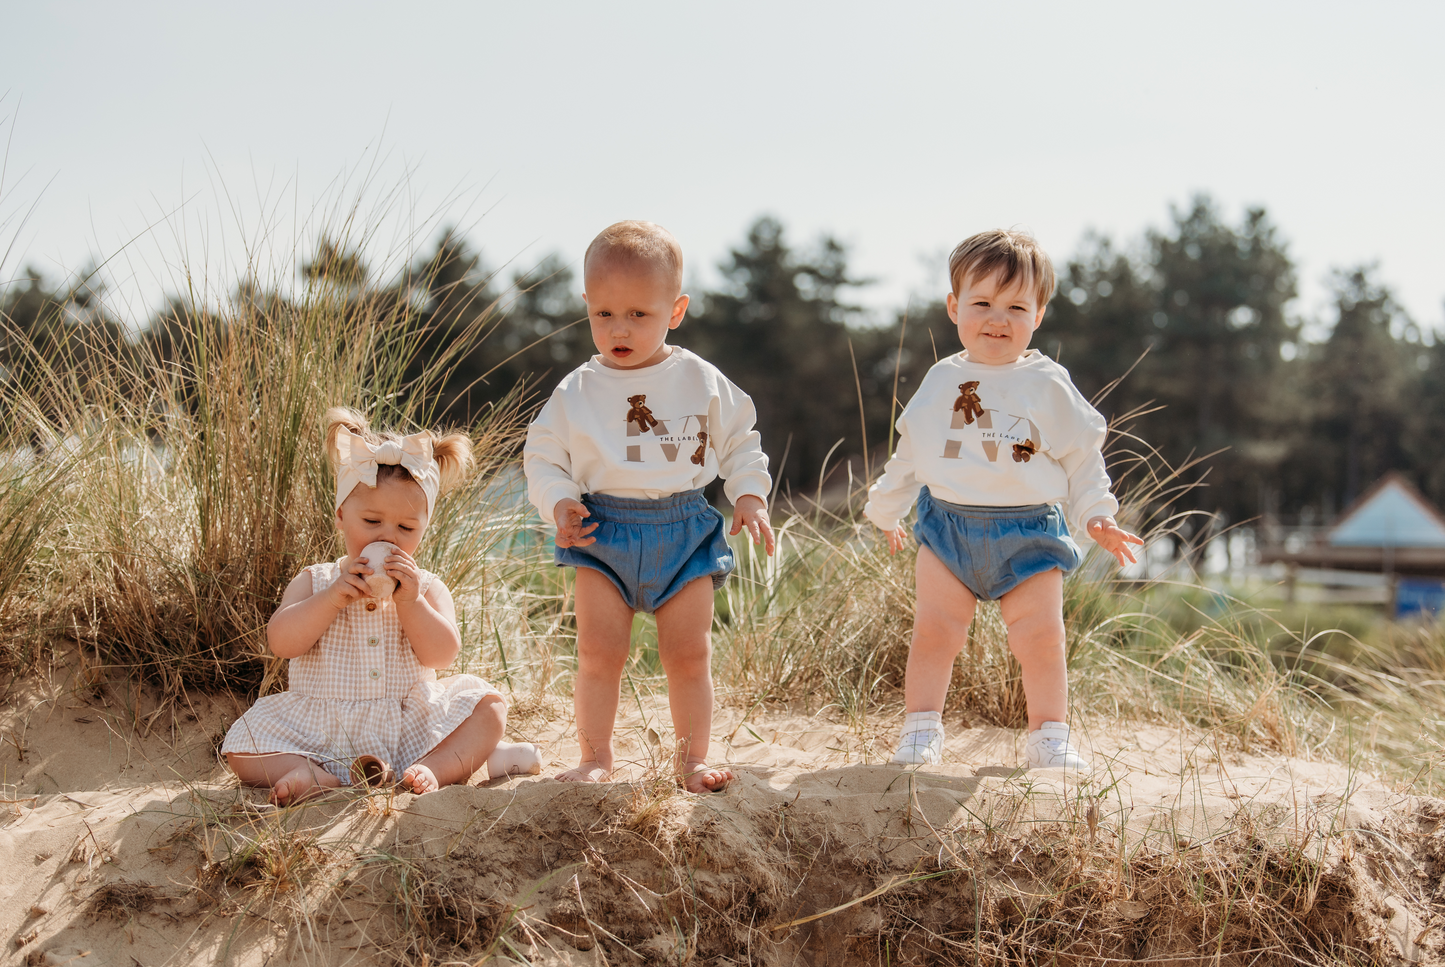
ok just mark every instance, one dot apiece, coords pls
pixel 994 429
pixel 664 437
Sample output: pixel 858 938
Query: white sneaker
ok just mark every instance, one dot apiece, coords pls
pixel 1049 748
pixel 921 741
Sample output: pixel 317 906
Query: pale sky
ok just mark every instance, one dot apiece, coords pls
pixel 899 127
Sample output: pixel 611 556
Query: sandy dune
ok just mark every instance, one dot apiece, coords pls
pixel 124 843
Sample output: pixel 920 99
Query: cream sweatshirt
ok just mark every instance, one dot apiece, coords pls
pixel 997 436
pixel 649 432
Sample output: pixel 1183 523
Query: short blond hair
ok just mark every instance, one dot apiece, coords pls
pixel 638 243
pixel 1017 255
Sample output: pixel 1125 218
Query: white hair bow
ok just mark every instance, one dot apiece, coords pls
pixel 357 461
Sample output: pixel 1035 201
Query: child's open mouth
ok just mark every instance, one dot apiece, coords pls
pixel 621 351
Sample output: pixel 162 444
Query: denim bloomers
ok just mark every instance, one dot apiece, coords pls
pixel 652 549
pixel 993 550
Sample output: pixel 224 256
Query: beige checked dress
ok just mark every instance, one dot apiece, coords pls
pixel 359 691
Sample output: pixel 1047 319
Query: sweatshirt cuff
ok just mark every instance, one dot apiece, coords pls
pixel 1103 508
pixel 878 520
pixel 553 493
pixel 751 484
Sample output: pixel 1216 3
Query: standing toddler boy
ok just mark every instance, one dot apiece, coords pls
pixel 993 441
pixel 617 460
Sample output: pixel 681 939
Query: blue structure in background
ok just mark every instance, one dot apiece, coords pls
pixel 1419 597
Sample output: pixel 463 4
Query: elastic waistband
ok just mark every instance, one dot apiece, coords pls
pixel 991 513
pixel 639 510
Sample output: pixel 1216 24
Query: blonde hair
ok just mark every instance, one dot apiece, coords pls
pixel 452 452
pixel 639 243
pixel 1017 255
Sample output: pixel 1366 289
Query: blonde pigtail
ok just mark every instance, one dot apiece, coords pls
pixel 453 454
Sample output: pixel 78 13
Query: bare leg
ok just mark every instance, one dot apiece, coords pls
pixel 459 755
pixel 291 778
pixel 1034 614
pixel 604 637
pixel 684 643
pixel 942 613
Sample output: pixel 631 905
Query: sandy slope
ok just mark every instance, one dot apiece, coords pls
pixel 123 843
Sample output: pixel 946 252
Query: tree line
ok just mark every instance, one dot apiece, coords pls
pixel 1186 334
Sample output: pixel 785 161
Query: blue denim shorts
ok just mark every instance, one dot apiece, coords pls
pixel 993 550
pixel 652 549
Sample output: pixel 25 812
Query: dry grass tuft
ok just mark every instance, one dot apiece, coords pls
pixel 122 899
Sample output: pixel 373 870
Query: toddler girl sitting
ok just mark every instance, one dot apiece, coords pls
pixel 364 697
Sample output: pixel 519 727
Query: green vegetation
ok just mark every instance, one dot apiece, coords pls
pixel 158 493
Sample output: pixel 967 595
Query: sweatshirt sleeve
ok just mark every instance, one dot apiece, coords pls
pixel 893 493
pixel 546 461
pixel 741 461
pixel 1083 462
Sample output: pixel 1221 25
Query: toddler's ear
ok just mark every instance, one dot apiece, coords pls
pixel 679 309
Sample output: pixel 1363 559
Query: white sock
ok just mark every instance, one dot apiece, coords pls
pixel 922 722
pixel 514 758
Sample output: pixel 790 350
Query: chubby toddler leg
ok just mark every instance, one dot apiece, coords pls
pixel 1034 614
pixel 604 637
pixel 942 612
pixel 684 643
pixel 462 753
pixel 291 778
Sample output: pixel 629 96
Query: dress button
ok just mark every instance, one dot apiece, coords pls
pixel 372 640
pixel 371 606
pixel 375 673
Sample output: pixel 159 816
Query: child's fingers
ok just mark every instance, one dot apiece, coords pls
pixel 769 541
pixel 1133 539
pixel 353 584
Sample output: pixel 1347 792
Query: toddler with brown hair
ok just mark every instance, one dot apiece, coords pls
pixel 1005 459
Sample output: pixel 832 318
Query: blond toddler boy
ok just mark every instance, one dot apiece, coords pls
pixel 994 441
pixel 617 460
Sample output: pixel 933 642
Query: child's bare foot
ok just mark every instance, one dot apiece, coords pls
pixel 514 758
pixel 588 771
pixel 698 776
pixel 419 779
pixel 302 783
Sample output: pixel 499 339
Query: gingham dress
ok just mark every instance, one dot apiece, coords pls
pixel 359 691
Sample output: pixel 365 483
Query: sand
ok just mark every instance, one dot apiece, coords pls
pixel 123 842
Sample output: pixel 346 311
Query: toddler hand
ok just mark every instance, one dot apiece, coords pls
pixel 1112 538
pixel 402 569
pixel 350 585
pixel 570 533
pixel 897 539
pixel 749 511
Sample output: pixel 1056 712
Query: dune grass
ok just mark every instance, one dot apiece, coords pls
pixel 155 502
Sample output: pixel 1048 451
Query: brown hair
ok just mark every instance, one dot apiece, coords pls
pixel 638 243
pixel 452 452
pixel 1017 255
